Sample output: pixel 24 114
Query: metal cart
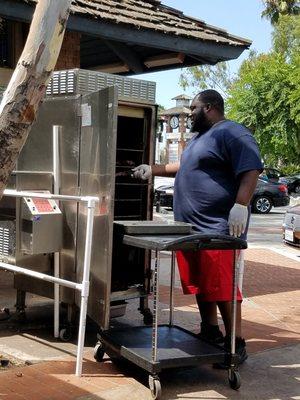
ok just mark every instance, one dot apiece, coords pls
pixel 169 346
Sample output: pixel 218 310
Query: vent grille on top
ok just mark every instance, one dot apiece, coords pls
pixel 79 81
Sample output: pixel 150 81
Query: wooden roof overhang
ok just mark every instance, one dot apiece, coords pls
pixel 137 36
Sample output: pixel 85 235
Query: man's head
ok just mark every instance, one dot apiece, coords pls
pixel 207 108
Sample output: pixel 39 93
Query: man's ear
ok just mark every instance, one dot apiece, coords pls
pixel 208 107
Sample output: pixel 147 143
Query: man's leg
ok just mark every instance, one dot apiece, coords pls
pixel 208 311
pixel 209 322
pixel 225 310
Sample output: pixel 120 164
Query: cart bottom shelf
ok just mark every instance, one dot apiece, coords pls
pixel 177 347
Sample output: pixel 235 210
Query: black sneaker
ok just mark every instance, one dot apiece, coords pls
pixel 211 333
pixel 240 350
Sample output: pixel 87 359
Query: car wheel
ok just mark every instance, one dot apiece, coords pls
pixel 297 188
pixel 262 205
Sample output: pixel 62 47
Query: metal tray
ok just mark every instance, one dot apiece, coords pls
pixel 153 227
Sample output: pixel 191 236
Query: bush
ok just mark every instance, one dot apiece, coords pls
pixel 290 169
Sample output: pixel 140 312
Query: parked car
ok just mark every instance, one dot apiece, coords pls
pixel 274 175
pixel 292 182
pixel 163 196
pixel 291 226
pixel 267 195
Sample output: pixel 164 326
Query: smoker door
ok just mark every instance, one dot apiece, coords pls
pixel 34 164
pixel 97 178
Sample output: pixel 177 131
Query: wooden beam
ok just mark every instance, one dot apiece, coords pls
pixel 115 68
pixel 164 59
pixel 154 39
pixel 127 55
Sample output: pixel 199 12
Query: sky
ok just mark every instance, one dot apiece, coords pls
pixel 239 17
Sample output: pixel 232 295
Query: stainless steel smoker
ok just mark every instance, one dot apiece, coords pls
pixel 107 125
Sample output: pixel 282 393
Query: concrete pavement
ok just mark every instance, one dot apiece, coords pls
pixel 271 328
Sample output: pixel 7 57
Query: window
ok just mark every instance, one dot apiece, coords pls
pixel 5 60
pixel 12 40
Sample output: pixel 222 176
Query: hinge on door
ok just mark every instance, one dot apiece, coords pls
pixel 78 110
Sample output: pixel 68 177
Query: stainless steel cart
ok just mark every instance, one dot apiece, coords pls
pixel 169 346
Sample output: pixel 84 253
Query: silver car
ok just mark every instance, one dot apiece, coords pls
pixel 291 226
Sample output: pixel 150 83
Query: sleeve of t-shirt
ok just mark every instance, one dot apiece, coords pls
pixel 244 154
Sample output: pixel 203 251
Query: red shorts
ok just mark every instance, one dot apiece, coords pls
pixel 207 273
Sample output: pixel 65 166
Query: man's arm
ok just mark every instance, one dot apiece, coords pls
pixel 145 171
pixel 169 170
pixel 238 215
pixel 247 187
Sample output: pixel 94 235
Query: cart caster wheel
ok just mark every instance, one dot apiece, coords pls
pixel 65 334
pixel 99 352
pixel 148 317
pixel 234 379
pixel 155 387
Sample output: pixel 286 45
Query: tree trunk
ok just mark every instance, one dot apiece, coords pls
pixel 27 87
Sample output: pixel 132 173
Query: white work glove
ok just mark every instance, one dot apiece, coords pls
pixel 142 171
pixel 237 220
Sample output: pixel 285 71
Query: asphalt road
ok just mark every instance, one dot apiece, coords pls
pixel 265 231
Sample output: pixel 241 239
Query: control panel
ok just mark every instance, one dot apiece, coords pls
pixel 38 206
pixel 40 225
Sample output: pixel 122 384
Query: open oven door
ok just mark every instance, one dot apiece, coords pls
pixel 97 178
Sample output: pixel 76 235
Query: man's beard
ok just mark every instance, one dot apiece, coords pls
pixel 201 123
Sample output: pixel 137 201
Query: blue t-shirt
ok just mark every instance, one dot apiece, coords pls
pixel 208 179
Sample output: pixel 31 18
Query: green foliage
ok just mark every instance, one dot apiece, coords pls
pixel 265 96
pixel 274 9
pixel 160 108
pixel 291 169
pixel 263 99
pixel 286 36
pixel 207 77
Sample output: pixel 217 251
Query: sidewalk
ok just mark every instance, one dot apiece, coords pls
pixel 271 328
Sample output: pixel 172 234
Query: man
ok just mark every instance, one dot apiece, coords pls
pixel 215 181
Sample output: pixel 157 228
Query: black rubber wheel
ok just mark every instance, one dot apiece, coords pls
pixel 99 352
pixel 65 334
pixel 234 379
pixel 155 387
pixel 262 205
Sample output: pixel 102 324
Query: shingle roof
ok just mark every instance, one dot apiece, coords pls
pixel 182 97
pixel 175 111
pixel 151 14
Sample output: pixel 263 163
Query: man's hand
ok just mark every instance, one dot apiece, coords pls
pixel 237 220
pixel 142 171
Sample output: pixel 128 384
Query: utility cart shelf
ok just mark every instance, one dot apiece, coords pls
pixel 159 347
pixel 177 347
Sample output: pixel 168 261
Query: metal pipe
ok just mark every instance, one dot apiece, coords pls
pixel 16 193
pixel 235 273
pixel 241 262
pixel 39 275
pixel 155 306
pixel 85 285
pixel 56 189
pixel 172 284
